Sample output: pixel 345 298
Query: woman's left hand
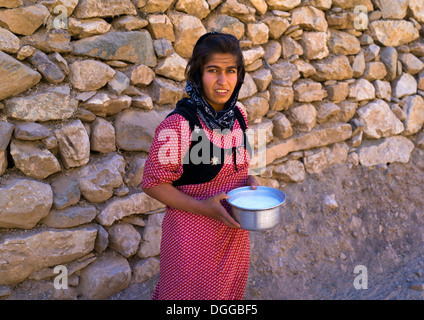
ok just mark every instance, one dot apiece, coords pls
pixel 251 181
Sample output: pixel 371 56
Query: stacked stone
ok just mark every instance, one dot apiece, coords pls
pixel 84 84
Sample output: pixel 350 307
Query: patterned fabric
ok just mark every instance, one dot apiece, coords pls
pixel 200 258
pixel 223 119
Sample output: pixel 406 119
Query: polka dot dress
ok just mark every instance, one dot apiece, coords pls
pixel 200 258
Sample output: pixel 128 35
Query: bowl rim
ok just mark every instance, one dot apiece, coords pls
pixel 275 190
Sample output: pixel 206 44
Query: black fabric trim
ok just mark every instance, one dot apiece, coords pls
pixel 197 173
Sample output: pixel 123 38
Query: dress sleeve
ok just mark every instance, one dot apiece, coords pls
pixel 170 144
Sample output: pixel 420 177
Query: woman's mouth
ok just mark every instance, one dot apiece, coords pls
pixel 221 92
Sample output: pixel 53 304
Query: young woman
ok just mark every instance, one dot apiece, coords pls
pixel 198 154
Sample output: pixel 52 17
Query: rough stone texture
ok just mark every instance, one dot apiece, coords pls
pixel 87 27
pixel 98 179
pixel 135 129
pixel 414 111
pixel 319 136
pixel 187 30
pixel 50 71
pixel 310 18
pixel 391 149
pixel 33 159
pixel 404 85
pixel 172 67
pixel 104 104
pixel 102 138
pixel 314 45
pixel 6 130
pixel 90 75
pixel 50 103
pixel 103 8
pixel 15 76
pixel 325 157
pixel 30 252
pixel 402 32
pixel 119 208
pixel 31 131
pixel 131 46
pixel 332 68
pixel 124 238
pixel 226 24
pixel 70 217
pixel 290 171
pixel 145 269
pixel 152 236
pixel 379 121
pixel 417 8
pixel 49 41
pixel 9 43
pixel 107 275
pixel 65 191
pixel 74 144
pixel 15 213
pixel 24 20
pixel 335 87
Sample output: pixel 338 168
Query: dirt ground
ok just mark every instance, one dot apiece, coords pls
pixel 378 224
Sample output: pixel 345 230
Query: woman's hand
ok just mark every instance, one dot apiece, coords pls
pixel 212 208
pixel 251 181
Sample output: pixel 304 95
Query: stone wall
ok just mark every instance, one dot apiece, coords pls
pixel 84 83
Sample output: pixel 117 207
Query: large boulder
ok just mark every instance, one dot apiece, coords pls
pixel 25 253
pixel 109 274
pixel 119 208
pixel 47 103
pixel 135 129
pixel 74 144
pixel 131 46
pixel 103 8
pixel 393 33
pixel 15 213
pixel 15 77
pixel 388 150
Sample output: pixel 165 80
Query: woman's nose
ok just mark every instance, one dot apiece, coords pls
pixel 222 78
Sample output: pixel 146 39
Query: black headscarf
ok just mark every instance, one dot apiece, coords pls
pixel 223 119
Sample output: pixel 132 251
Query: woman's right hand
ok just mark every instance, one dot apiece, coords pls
pixel 212 208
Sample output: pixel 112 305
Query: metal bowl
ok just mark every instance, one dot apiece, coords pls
pixel 256 209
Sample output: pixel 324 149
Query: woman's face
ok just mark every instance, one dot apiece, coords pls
pixel 219 78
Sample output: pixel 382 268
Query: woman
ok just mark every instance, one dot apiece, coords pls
pixel 204 252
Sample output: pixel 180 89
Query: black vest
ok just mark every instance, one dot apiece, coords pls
pixel 201 168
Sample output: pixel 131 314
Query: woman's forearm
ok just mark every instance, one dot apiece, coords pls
pixel 172 197
pixel 211 207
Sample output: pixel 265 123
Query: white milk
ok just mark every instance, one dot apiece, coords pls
pixel 256 202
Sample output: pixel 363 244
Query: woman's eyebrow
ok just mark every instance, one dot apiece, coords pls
pixel 218 67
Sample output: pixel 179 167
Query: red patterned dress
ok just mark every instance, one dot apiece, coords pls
pixel 200 258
